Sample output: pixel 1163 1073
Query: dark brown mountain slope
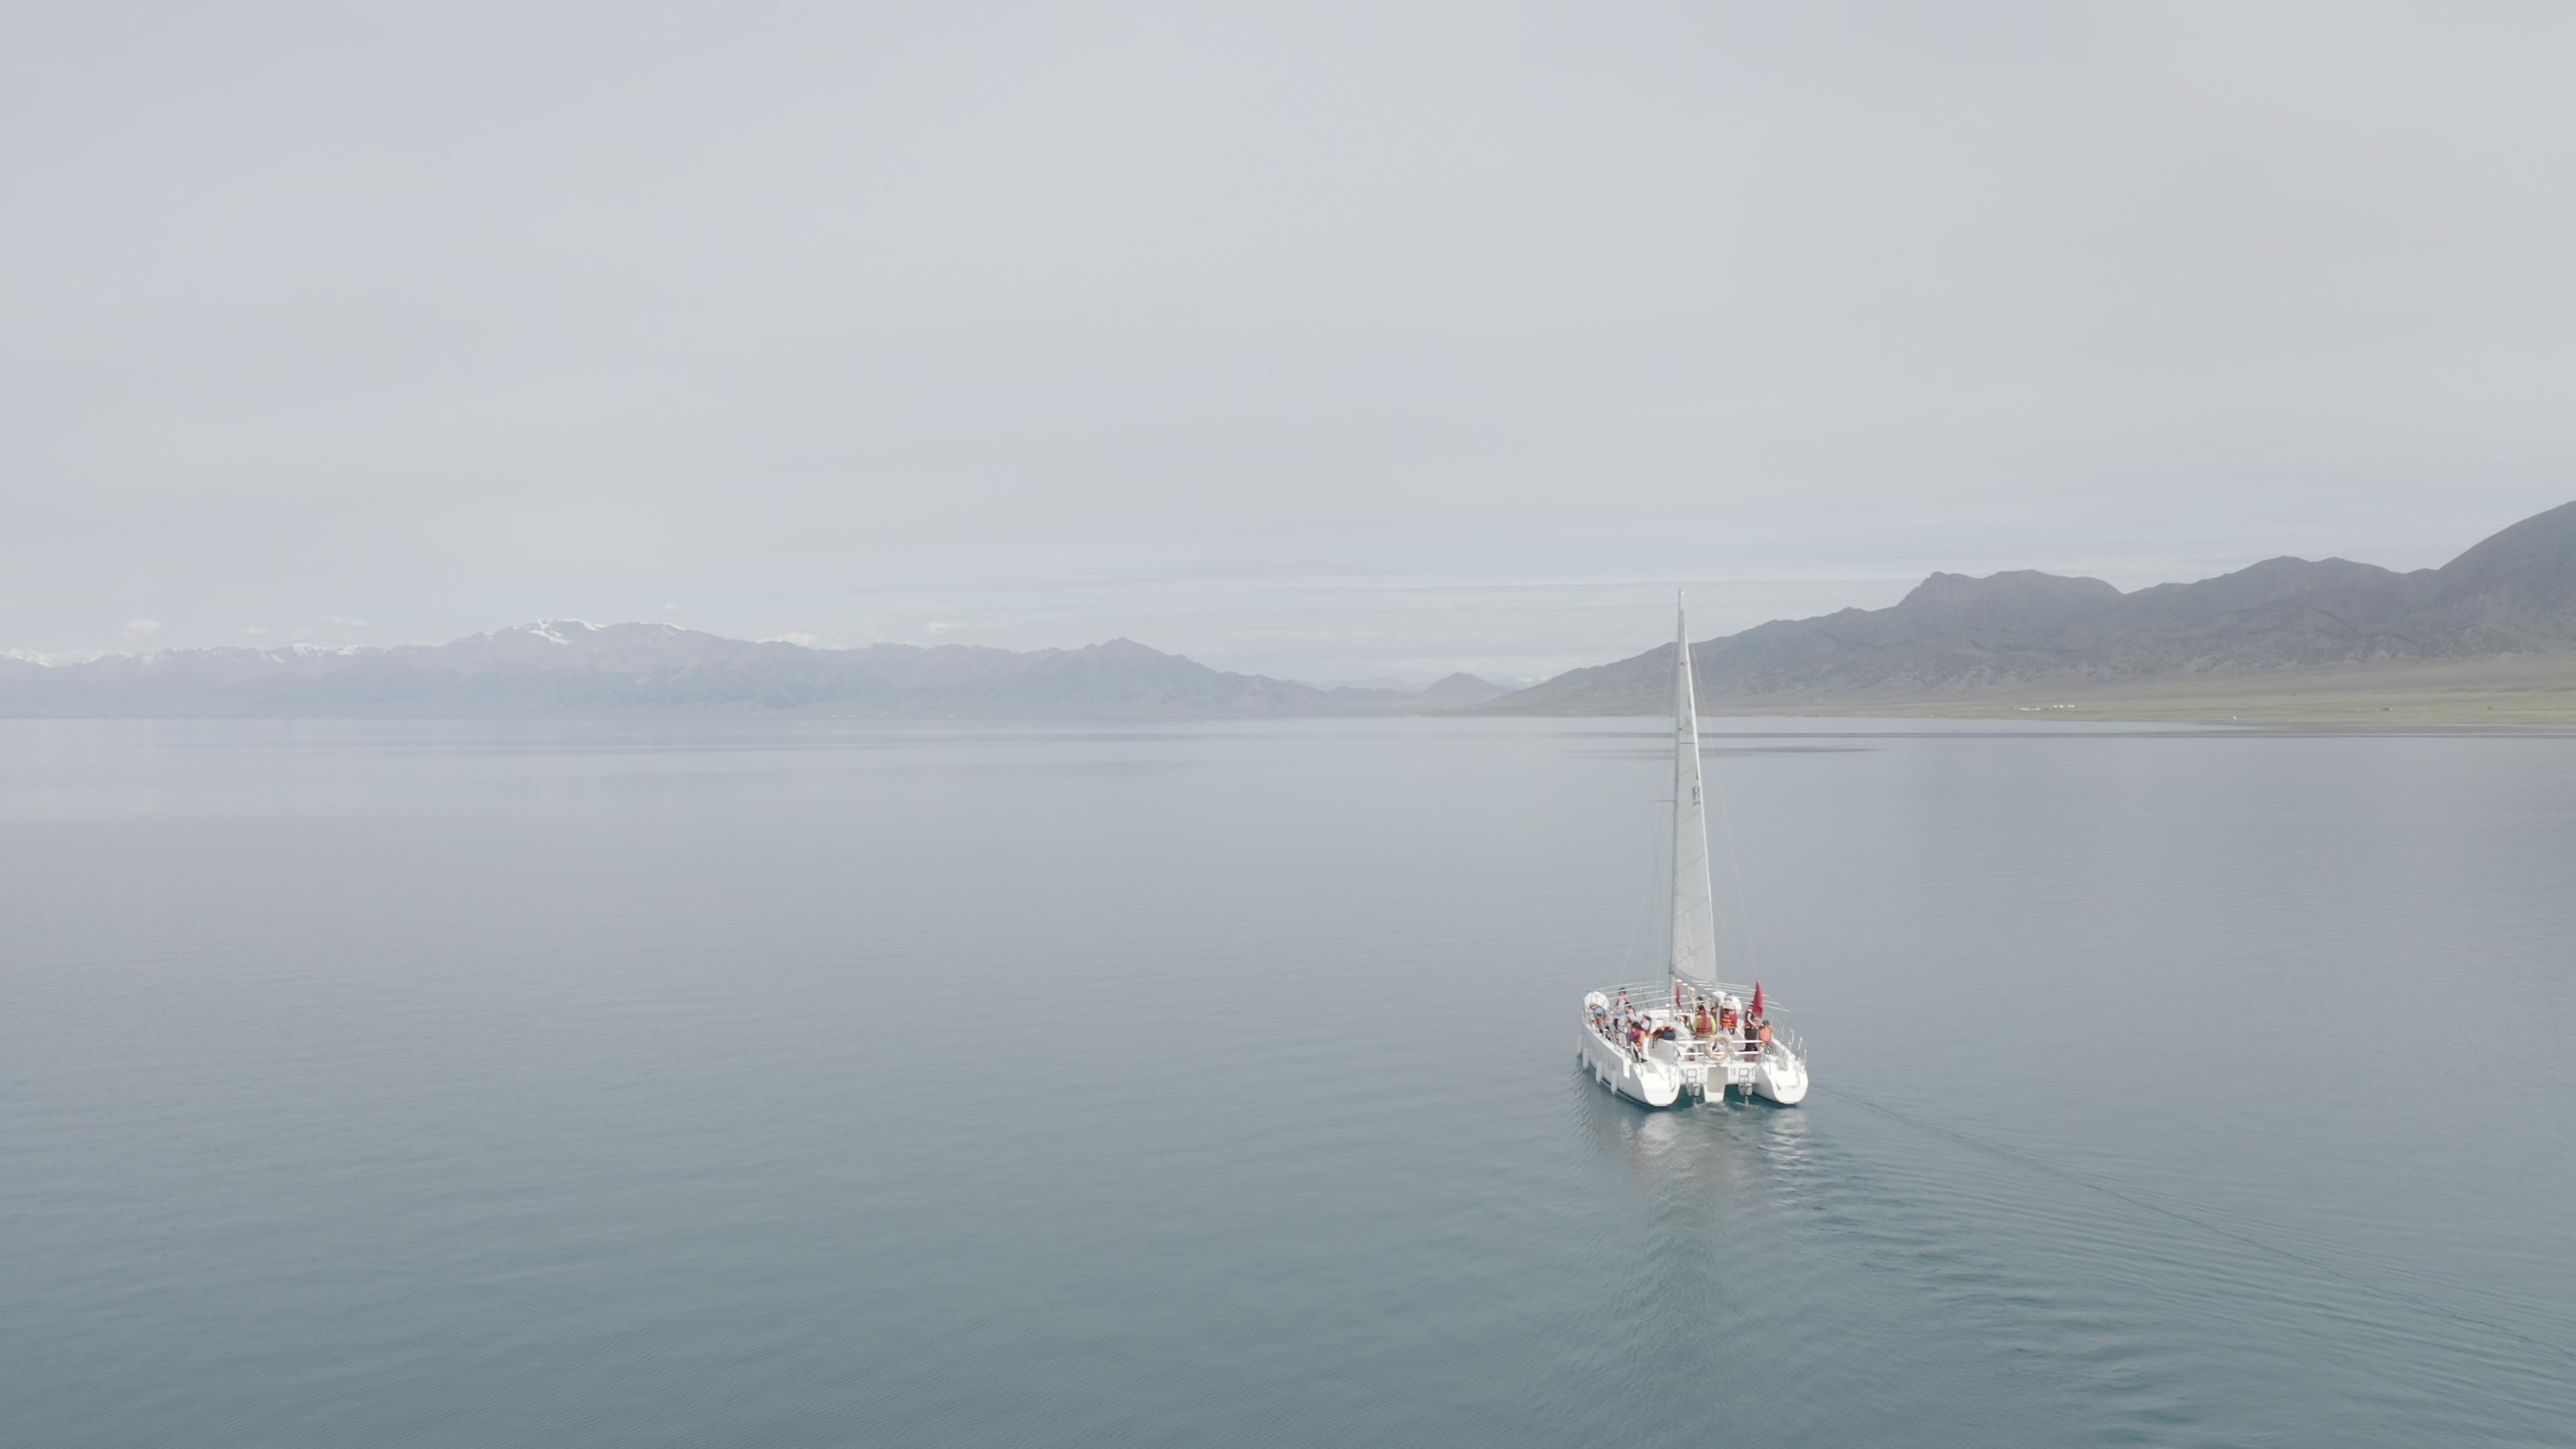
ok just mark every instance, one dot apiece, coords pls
pixel 1956 637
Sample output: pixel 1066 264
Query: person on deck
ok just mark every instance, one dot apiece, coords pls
pixel 1703 1025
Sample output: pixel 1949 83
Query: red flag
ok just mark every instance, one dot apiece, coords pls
pixel 1757 998
pixel 1677 994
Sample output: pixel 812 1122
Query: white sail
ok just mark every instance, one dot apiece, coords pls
pixel 1694 933
pixel 1644 1047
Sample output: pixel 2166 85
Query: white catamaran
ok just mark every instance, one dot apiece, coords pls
pixel 1690 1034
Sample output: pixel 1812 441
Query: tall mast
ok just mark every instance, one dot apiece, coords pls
pixel 1694 918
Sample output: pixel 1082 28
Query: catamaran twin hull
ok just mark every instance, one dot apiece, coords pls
pixel 1690 1067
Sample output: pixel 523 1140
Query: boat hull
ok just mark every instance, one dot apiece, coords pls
pixel 1782 1080
pixel 1649 1083
pixel 1680 1067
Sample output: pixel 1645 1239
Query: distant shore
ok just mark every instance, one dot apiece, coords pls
pixel 2495 692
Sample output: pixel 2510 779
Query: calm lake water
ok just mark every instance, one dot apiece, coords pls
pixel 816 1083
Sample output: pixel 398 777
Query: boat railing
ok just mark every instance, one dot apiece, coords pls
pixel 1658 996
pixel 1645 994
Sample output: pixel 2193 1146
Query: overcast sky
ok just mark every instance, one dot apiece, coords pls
pixel 1318 340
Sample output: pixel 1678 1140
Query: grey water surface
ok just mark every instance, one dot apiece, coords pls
pixel 809 1083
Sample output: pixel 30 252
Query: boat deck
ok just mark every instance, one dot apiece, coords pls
pixel 1707 1063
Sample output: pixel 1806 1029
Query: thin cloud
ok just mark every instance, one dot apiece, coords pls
pixel 1364 360
pixel 338 622
pixel 142 628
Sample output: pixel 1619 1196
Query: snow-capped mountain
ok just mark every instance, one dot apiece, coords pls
pixel 566 665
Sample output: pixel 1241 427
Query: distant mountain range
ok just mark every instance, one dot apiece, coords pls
pixel 1956 638
pixel 1952 639
pixel 565 666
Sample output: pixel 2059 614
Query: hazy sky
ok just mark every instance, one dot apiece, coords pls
pixel 1318 340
